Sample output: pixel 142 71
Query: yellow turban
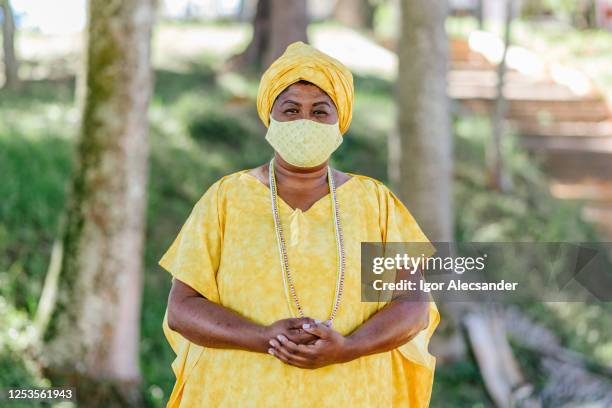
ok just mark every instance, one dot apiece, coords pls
pixel 303 62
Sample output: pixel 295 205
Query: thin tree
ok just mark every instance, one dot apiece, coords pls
pixel 421 164
pixel 420 147
pixel 479 12
pixel 355 13
pixel 252 57
pixel 277 23
pixel 89 313
pixel 11 78
pixel 499 179
pixel 424 159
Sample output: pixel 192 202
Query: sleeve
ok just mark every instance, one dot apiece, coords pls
pixel 398 225
pixel 193 257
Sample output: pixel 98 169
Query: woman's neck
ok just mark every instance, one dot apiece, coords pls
pixel 299 178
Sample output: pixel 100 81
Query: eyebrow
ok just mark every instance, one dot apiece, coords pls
pixel 299 104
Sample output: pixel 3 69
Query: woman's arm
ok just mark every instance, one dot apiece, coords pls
pixel 394 325
pixel 211 325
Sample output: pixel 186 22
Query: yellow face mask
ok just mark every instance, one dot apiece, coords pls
pixel 303 142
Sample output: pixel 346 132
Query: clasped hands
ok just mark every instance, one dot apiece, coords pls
pixel 307 343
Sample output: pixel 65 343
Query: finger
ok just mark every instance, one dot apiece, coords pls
pixel 291 349
pixel 274 343
pixel 296 349
pixel 319 330
pixel 291 358
pixel 298 322
pixel 299 336
pixel 288 344
pixel 277 354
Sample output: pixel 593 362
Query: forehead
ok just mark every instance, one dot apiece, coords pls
pixel 303 91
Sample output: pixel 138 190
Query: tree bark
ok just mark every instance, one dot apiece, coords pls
pixel 252 55
pixel 288 23
pixel 277 24
pixel 355 13
pixel 91 335
pixel 499 179
pixel 425 161
pixel 420 150
pixel 11 78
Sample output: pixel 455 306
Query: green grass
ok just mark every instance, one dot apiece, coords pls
pixel 459 385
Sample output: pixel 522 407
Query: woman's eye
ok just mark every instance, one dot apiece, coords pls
pixel 291 111
pixel 320 112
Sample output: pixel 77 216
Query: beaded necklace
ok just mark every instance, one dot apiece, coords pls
pixel 280 239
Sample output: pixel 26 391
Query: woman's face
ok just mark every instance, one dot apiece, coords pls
pixel 304 101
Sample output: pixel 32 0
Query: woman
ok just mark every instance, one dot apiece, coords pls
pixel 265 307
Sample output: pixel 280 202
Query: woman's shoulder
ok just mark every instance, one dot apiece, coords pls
pixel 370 184
pixel 226 184
pixel 377 191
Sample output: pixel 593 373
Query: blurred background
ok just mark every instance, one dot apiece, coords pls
pixel 490 118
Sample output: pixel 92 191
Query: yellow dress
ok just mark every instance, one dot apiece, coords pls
pixel 227 251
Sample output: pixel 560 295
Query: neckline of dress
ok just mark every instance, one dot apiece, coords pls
pixel 283 202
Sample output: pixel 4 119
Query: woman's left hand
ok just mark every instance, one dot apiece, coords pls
pixel 331 347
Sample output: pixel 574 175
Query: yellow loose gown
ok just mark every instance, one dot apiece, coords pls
pixel 227 251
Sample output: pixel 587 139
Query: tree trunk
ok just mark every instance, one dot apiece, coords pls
pixel 246 10
pixel 91 339
pixel 252 55
pixel 11 78
pixel 499 179
pixel 425 159
pixel 420 149
pixel 480 14
pixel 277 24
pixel 354 13
pixel 288 23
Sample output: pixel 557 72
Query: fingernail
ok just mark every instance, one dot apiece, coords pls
pixel 317 321
pixel 306 326
pixel 271 351
pixel 280 337
pixel 271 343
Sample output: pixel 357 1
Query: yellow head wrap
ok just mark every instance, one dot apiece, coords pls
pixel 303 62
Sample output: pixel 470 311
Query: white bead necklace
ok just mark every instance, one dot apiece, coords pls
pixel 280 239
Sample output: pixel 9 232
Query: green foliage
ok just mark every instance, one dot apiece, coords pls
pixel 590 330
pixel 459 385
pixel 35 170
pixel 170 85
pixel 568 10
pixel 16 367
pixel 528 213
pixel 530 364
